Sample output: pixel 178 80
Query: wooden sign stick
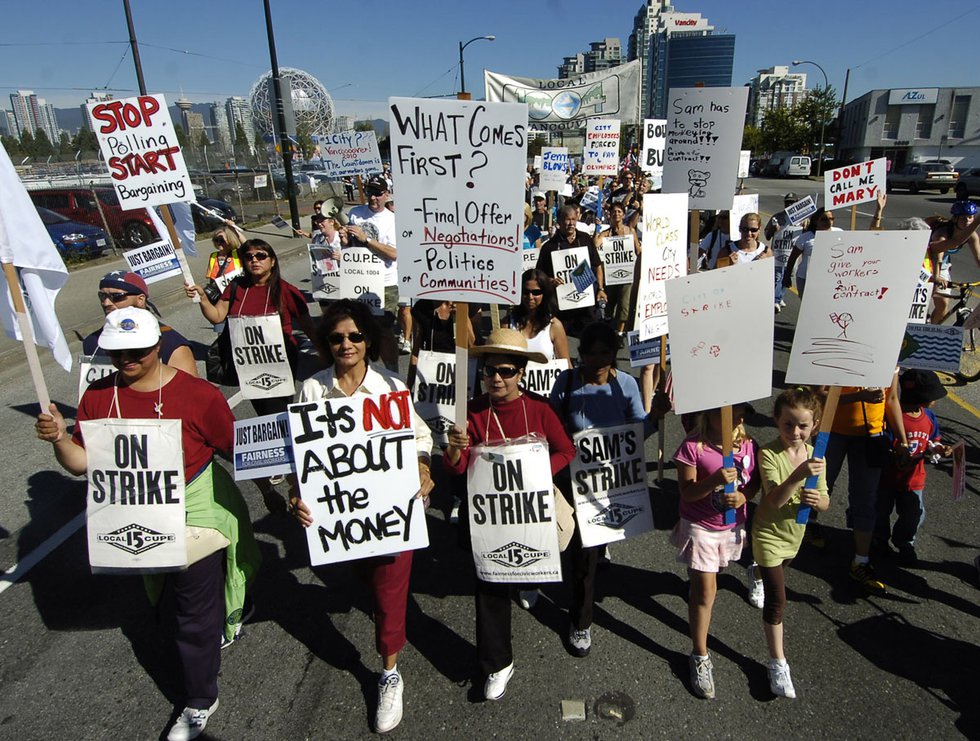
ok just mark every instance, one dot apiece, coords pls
pixel 168 221
pixel 693 228
pixel 854 218
pixel 27 336
pixel 462 360
pixel 820 447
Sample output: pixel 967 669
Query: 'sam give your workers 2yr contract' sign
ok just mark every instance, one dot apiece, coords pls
pixel 358 473
pixel 459 169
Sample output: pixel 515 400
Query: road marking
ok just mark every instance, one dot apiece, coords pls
pixel 963 403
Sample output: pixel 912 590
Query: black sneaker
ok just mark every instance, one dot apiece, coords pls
pixel 907 556
pixel 865 575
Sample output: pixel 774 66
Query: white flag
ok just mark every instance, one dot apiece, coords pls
pixel 183 225
pixel 25 243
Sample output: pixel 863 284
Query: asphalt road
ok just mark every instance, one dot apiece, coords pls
pixel 83 656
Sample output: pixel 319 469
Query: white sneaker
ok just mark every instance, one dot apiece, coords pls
pixel 528 598
pixel 580 641
pixel 191 723
pixel 757 593
pixel 454 512
pixel 496 684
pixel 779 679
pixel 702 676
pixel 389 713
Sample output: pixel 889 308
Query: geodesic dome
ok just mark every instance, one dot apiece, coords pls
pixel 312 103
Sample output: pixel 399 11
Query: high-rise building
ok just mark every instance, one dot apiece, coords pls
pixel 95 97
pixel 33 113
pixel 240 114
pixel 7 125
pixel 601 55
pixel 571 66
pixel 343 123
pixel 772 89
pixel 217 126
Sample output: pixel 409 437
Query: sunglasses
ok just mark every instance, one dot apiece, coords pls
pixel 337 338
pixel 826 218
pixel 375 193
pixel 533 292
pixel 260 256
pixel 753 230
pixel 113 297
pixel 132 354
pixel 504 371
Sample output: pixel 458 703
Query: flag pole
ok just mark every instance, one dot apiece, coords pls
pixel 27 336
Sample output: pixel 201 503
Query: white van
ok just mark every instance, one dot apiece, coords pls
pixel 797 166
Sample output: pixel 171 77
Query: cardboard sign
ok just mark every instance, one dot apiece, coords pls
pixel 324 273
pixel 262 447
pixel 601 153
pixel 260 181
pixel 704 138
pixel 931 347
pixel 153 262
pixel 279 223
pixel 919 311
pixel 609 484
pixel 800 211
pixel 858 290
pixel 644 352
pixel 664 257
pixel 362 277
pixel 782 245
pixel 435 390
pixel 744 157
pixel 357 466
pixel 540 377
pixel 459 168
pixel 91 368
pixel 654 143
pixel 529 258
pixel 259 351
pixel 349 153
pixel 554 168
pixel 582 276
pixel 720 360
pixel 536 165
pixel 563 262
pixel 854 184
pixel 512 513
pixel 619 259
pixel 135 501
pixel 139 146
pixel 741 205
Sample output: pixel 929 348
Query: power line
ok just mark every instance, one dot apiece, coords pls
pixel 917 38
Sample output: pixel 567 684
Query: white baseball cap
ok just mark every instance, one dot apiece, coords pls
pixel 129 328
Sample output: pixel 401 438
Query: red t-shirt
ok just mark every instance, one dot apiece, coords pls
pixel 207 422
pixel 254 301
pixel 919 431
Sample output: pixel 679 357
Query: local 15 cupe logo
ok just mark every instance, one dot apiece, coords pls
pixel 515 555
pixel 135 539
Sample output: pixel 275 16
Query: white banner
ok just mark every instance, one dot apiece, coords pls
pixel 619 258
pixel 512 513
pixel 714 362
pixel 563 262
pixel 349 153
pixel 654 143
pixel 259 351
pixel 540 377
pixel 564 105
pixel 609 484
pixel 135 503
pixel 704 138
pixel 859 288
pixel 91 368
pixel 154 262
pixel 459 169
pixel 601 153
pixel 357 466
pixel 139 146
pixel 854 184
pixel 554 168
pixel 664 232
pixel 435 390
pixel 263 447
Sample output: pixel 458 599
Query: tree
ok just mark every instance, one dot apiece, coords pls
pixel 64 145
pixel 86 142
pixel 364 126
pixel 13 147
pixel 243 152
pixel 819 106
pixel 781 131
pixel 27 143
pixel 304 140
pixel 752 139
pixel 43 148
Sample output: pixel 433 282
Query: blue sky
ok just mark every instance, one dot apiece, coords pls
pixel 212 49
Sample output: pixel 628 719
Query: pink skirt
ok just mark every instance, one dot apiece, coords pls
pixel 707 550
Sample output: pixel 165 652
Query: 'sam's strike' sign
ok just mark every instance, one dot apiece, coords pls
pixel 139 145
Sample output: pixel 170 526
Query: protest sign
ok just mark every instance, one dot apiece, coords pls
pixel 854 184
pixel 565 105
pixel 324 273
pixel 91 369
pixel 601 153
pixel 704 138
pixel 802 210
pixel 529 258
pixel 654 142
pixel 664 257
pixel 609 485
pixel 135 501
pixel 618 259
pixel 744 157
pixel 741 205
pixel 435 390
pixel 459 168
pixel 563 263
pixel 153 262
pixel 349 153
pixel 512 513
pixel 139 146
pixel 717 363
pixel 919 311
pixel 263 447
pixel 644 352
pixel 260 181
pixel 259 351
pixel 536 164
pixel 931 347
pixel 362 277
pixel 554 168
pixel 858 290
pixel 279 223
pixel 357 466
pixel 583 277
pixel 540 377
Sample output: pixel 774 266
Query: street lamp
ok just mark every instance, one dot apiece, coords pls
pixel 826 86
pixel 462 78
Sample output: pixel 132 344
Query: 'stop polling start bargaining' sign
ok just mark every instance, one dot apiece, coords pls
pixel 459 173
pixel 139 145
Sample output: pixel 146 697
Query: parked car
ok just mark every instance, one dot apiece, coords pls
pixel 204 222
pixel 916 176
pixel 246 178
pixel 970 177
pixel 72 238
pixel 222 187
pixel 132 228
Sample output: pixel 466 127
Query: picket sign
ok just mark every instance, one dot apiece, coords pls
pixel 259 352
pixel 820 446
pixel 91 368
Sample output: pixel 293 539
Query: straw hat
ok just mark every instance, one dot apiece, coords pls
pixel 506 341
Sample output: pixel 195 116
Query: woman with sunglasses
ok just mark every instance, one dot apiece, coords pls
pixel 504 412
pixel 223 264
pixel 222 553
pixel 349 339
pixel 821 221
pixel 535 317
pixel 748 248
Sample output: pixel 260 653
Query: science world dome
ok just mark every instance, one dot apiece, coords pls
pixel 312 103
